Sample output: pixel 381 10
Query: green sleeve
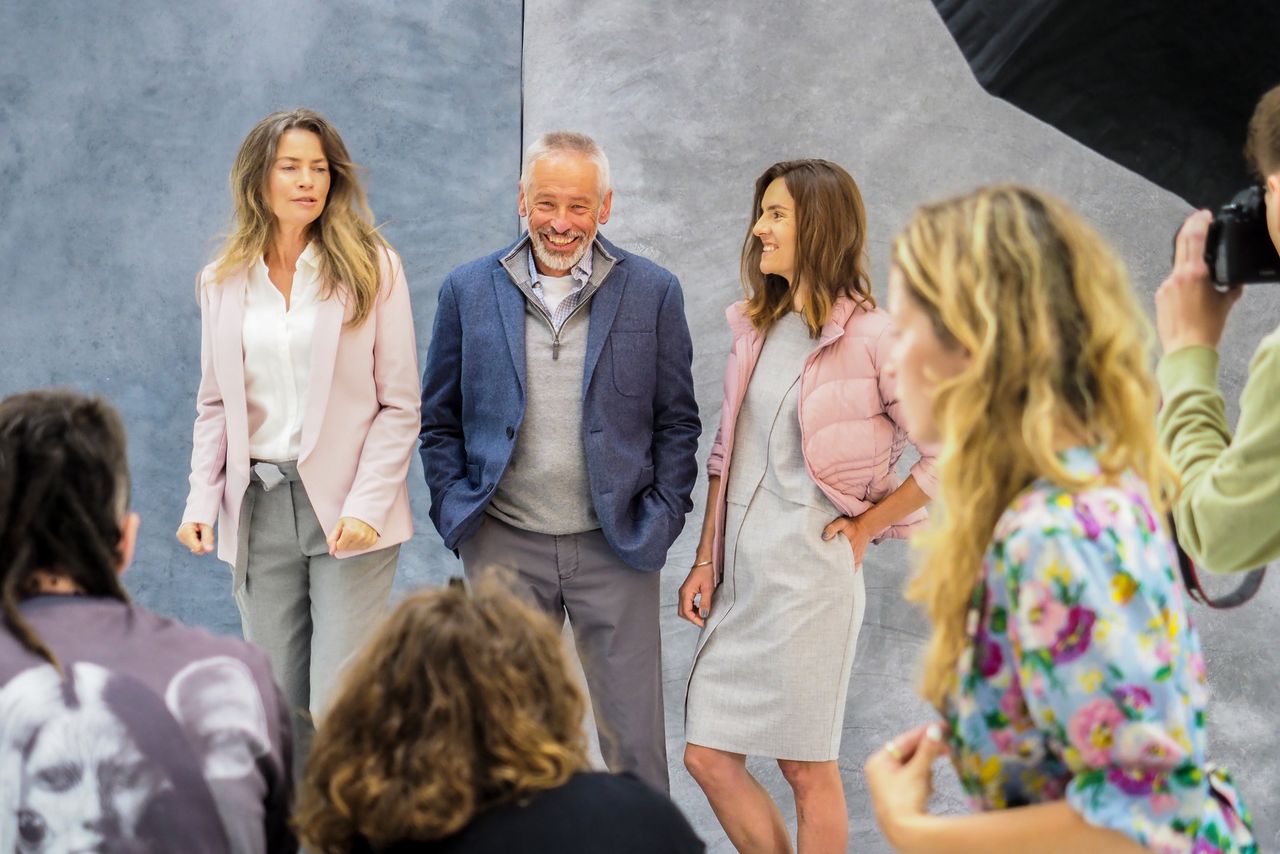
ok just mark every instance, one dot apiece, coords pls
pixel 1228 513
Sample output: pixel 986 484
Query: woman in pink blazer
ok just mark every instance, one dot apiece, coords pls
pixel 307 411
pixel 802 478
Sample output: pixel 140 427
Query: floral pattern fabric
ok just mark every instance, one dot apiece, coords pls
pixel 1083 678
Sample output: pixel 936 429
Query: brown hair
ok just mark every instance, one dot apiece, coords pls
pixel 1262 145
pixel 831 233
pixel 457 704
pixel 64 492
pixel 344 233
pixel 1055 338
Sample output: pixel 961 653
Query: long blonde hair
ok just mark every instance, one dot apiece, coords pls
pixel 458 703
pixel 831 234
pixel 1045 311
pixel 344 233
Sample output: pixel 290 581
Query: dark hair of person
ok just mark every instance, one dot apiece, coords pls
pixel 64 492
pixel 831 234
pixel 1262 145
pixel 459 703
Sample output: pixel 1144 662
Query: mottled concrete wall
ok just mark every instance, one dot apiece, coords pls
pixel 120 124
pixel 692 102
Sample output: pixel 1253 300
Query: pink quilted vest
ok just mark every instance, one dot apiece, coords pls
pixel 850 417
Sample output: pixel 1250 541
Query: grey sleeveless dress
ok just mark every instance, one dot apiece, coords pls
pixel 771 670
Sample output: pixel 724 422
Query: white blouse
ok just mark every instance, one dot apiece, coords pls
pixel 277 357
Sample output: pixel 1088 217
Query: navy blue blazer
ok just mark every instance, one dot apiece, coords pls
pixel 639 420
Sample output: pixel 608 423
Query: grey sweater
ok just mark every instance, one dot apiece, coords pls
pixel 545 488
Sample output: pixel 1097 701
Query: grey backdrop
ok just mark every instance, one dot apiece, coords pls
pixel 119 130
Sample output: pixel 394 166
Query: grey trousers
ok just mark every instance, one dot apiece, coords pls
pixel 308 611
pixel 613 610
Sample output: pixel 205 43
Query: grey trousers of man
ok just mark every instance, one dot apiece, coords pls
pixel 308 610
pixel 613 610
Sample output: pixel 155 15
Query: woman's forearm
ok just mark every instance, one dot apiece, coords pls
pixel 708 521
pixel 1052 828
pixel 902 502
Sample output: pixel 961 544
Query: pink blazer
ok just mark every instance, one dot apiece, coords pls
pixel 850 419
pixel 361 421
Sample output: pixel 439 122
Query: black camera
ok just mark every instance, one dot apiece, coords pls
pixel 1239 249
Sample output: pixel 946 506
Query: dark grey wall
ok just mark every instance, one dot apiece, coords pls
pixel 692 102
pixel 118 131
pixel 120 124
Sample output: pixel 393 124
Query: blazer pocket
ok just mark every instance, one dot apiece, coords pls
pixel 644 480
pixel 634 358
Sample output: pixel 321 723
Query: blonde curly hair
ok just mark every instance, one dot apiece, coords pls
pixel 1057 346
pixel 457 704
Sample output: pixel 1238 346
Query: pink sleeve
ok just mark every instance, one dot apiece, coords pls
pixel 925 469
pixel 388 448
pixel 715 462
pixel 209 437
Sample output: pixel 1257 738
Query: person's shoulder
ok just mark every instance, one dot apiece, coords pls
pixel 132 640
pixel 194 642
pixel 595 788
pixel 639 266
pixel 736 316
pixel 1042 512
pixel 1092 520
pixel 389 259
pixel 208 277
pixel 649 268
pixel 647 812
pixel 629 786
pixel 864 320
pixel 1269 349
pixel 623 792
pixel 481 267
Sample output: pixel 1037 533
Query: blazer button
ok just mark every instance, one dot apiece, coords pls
pixel 511 432
pixel 488 489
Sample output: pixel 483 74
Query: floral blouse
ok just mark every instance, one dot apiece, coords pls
pixel 1083 677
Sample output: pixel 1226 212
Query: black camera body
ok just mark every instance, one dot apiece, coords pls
pixel 1239 249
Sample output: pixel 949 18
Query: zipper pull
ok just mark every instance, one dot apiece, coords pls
pixel 555 348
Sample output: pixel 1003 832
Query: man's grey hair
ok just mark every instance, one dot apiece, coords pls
pixel 566 142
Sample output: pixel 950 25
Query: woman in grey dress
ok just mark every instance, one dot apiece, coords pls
pixel 802 479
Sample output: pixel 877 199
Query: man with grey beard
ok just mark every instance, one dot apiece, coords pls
pixel 559 430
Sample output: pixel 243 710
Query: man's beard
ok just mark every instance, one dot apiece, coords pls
pixel 558 260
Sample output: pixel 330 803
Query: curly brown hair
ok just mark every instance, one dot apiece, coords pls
pixel 460 702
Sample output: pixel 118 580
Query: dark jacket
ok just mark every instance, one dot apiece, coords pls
pixel 593 813
pixel 639 418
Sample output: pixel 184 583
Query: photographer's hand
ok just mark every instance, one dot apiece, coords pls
pixel 1188 309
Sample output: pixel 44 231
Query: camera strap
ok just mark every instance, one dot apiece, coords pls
pixel 1245 591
